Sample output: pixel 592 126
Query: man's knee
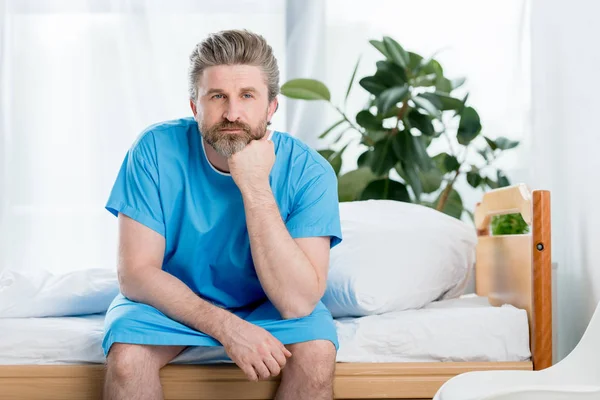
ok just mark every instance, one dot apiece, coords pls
pixel 124 361
pixel 317 359
pixel 315 351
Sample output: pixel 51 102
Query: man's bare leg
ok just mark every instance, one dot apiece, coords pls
pixel 132 371
pixel 309 373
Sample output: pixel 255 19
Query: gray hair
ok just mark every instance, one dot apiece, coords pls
pixel 233 47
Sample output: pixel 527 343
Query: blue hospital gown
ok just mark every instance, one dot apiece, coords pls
pixel 167 184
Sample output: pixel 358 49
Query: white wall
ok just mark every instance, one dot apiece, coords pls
pixel 565 151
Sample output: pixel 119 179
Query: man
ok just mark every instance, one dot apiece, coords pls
pixel 225 229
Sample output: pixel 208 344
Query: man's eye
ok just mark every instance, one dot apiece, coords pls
pixel 217 96
pixel 248 95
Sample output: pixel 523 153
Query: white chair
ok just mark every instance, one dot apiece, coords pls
pixel 576 377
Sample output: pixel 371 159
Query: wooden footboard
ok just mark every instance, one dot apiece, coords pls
pixel 517 269
pixel 183 382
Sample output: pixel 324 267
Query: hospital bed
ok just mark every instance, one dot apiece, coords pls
pixel 507 325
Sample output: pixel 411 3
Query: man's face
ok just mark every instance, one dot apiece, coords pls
pixel 232 107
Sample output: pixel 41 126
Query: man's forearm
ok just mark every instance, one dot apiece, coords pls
pixel 172 297
pixel 286 274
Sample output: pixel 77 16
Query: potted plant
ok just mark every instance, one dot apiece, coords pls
pixel 411 104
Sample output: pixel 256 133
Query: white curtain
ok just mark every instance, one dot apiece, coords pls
pixel 564 152
pixel 306 58
pixel 79 81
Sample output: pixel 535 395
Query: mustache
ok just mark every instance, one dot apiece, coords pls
pixel 232 125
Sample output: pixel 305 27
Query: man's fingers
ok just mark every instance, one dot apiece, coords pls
pixel 249 372
pixel 262 370
pixel 286 351
pixel 273 366
pixel 279 356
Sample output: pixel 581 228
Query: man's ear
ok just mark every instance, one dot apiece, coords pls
pixel 193 107
pixel 273 106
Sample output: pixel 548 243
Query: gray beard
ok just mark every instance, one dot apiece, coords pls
pixel 228 144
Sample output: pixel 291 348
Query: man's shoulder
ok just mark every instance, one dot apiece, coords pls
pixel 162 135
pixel 166 128
pixel 302 156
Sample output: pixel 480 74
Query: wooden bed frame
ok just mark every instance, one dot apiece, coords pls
pixel 512 269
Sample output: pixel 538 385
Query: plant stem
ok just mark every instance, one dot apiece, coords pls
pixel 364 135
pixel 400 116
pixel 446 193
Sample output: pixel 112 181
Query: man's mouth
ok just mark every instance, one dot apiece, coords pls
pixel 230 130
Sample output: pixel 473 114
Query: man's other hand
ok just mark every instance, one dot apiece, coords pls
pixel 254 350
pixel 250 167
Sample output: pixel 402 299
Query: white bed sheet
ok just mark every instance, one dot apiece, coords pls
pixel 465 329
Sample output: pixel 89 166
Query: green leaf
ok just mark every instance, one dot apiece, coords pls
pixel 469 126
pixel 501 143
pixel 453 206
pixel 426 105
pixel 352 80
pixel 509 224
pixel 352 184
pixel 382 158
pixel 306 89
pixel 414 61
pixel 390 74
pixel 474 179
pixel 430 180
pixel 385 189
pixel 412 178
pixel 412 150
pixel 458 82
pixel 381 47
pixel 390 97
pixel 485 153
pixel 502 179
pixel 372 85
pixel 464 102
pixel 400 171
pixel 433 67
pixel 443 85
pixel 364 160
pixel 332 127
pixel 425 80
pixel 376 136
pixel 368 121
pixel 419 149
pixel 449 103
pixel 442 101
pixel 336 160
pixel 396 52
pixel 446 163
pixel 392 112
pixel 421 121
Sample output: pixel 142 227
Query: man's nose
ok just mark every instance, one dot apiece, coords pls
pixel 232 112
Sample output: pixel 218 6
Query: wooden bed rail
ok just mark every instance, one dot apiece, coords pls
pixel 517 269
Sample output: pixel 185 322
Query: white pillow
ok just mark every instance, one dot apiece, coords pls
pixel 42 294
pixel 397 256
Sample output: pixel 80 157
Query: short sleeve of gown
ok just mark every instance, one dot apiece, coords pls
pixel 315 210
pixel 135 192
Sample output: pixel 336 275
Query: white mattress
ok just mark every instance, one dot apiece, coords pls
pixel 465 329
